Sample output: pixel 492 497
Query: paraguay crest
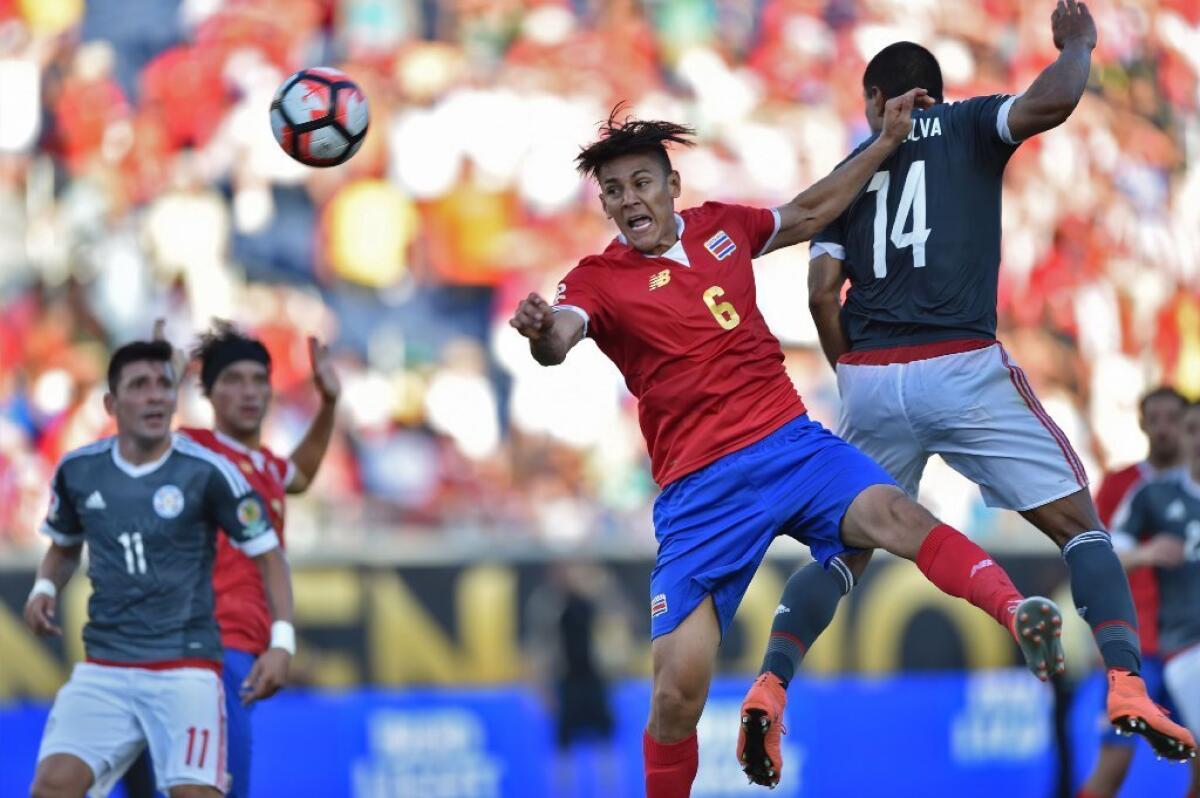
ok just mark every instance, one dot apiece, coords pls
pixel 168 501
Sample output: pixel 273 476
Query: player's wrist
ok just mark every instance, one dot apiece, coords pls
pixel 283 637
pixel 43 587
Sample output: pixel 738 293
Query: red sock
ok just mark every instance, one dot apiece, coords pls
pixel 670 767
pixel 958 567
pixel 1083 793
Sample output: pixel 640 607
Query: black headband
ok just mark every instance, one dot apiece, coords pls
pixel 228 352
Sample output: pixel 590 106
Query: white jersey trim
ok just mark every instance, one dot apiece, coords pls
pixel 578 310
pixel 1002 121
pixel 775 232
pixel 98 447
pixel 818 248
pixel 257 546
pixel 237 482
pixel 61 538
pixel 139 471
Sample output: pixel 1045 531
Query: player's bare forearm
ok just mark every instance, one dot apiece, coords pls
pixel 825 280
pixel 1055 93
pixel 59 564
pixel 312 448
pixel 277 583
pixel 551 332
pixel 818 205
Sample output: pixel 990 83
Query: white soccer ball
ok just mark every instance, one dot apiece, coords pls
pixel 319 116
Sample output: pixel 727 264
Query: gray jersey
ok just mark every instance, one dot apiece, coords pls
pixel 151 536
pixel 1170 505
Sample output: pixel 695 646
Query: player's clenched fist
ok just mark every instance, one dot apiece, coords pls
pixel 897 114
pixel 267 677
pixel 39 615
pixel 533 318
pixel 1072 22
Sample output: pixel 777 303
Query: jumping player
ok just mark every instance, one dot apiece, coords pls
pixel 1166 513
pixel 148 504
pixel 919 368
pixel 671 302
pixel 1161 417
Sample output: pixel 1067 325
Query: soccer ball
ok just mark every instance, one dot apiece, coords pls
pixel 319 116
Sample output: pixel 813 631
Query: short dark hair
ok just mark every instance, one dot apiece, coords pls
pixel 901 67
pixel 631 137
pixel 1162 392
pixel 223 345
pixel 134 352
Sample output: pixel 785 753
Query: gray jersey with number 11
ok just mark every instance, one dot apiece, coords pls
pixel 151 536
pixel 921 243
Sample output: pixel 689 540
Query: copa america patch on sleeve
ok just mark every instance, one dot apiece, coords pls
pixel 250 514
pixel 658 605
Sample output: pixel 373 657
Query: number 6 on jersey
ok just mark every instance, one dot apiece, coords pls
pixel 723 312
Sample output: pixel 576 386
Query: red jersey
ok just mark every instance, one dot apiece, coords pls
pixel 241 608
pixel 1143 582
pixel 686 333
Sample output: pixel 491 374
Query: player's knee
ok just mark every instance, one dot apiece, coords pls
pixel 901 523
pixel 57 778
pixel 194 791
pixel 675 709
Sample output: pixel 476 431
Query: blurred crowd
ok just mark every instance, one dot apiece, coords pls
pixel 139 179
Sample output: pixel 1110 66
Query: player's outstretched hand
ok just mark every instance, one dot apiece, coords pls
pixel 267 677
pixel 897 114
pixel 1071 21
pixel 325 376
pixel 533 318
pixel 39 615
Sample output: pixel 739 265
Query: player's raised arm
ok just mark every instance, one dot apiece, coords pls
pixel 808 212
pixel 311 450
pixel 551 334
pixel 1053 95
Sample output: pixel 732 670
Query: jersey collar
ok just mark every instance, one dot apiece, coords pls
pixel 676 252
pixel 138 471
pixel 256 455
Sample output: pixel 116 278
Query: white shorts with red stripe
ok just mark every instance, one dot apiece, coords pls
pixel 975 409
pixel 106 715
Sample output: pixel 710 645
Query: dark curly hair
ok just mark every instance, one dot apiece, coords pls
pixel 631 136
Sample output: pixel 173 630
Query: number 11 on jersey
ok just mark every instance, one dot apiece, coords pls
pixel 912 200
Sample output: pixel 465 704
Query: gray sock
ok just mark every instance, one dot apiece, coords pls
pixel 809 601
pixel 1102 597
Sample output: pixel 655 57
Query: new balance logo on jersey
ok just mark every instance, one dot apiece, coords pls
pixel 1176 511
pixel 660 279
pixel 95 501
pixel 979 566
pixel 658 605
pixel 721 245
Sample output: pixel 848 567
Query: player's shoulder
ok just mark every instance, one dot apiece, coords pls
pixel 1164 487
pixel 203 457
pixel 714 212
pixel 204 437
pixel 87 454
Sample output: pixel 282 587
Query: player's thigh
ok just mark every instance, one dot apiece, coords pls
pixel 683 661
pixel 61 776
pixel 94 720
pixel 874 420
pixel 1063 519
pixel 183 713
pixel 713 530
pixel 811 482
pixel 237 667
pixel 987 424
pixel 1182 675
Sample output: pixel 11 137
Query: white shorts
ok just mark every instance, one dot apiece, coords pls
pixel 976 410
pixel 106 715
pixel 1182 677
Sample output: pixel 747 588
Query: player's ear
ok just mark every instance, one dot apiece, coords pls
pixel 673 184
pixel 110 404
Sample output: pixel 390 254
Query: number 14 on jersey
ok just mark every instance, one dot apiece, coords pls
pixel 912 201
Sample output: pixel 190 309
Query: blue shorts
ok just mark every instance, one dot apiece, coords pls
pixel 714 525
pixel 1156 688
pixel 236 668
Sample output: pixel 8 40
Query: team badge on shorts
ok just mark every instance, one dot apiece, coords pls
pixel 168 501
pixel 721 246
pixel 658 605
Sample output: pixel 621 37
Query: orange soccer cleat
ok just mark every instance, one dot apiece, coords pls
pixel 759 749
pixel 1131 711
